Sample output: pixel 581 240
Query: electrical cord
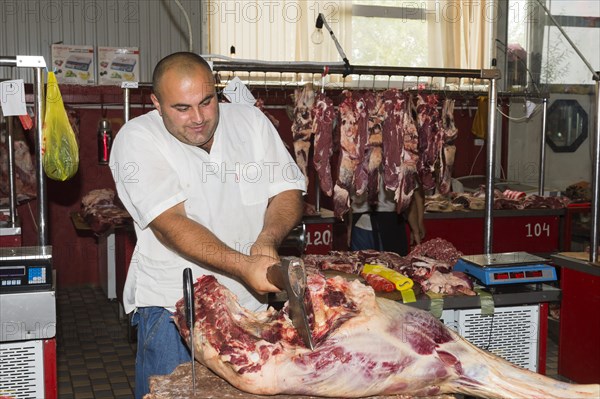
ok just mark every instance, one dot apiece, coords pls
pixel 522 118
pixel 189 25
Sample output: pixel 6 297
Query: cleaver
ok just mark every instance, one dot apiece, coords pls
pixel 289 275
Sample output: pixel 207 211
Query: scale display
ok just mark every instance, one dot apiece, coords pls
pixel 506 268
pixel 25 269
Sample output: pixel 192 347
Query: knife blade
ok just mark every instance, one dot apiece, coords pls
pixel 290 276
pixel 188 300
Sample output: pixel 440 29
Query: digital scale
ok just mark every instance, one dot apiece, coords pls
pixel 25 269
pixel 78 63
pixel 506 268
pixel 123 64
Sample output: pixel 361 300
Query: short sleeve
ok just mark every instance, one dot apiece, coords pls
pixel 146 181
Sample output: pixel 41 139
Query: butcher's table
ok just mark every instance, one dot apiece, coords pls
pixel 210 386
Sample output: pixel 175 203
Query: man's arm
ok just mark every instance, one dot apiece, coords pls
pixel 195 242
pixel 284 212
pixel 415 217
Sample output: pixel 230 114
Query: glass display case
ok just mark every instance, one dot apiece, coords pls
pixel 577 227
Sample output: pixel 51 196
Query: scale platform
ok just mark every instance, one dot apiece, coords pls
pixel 506 268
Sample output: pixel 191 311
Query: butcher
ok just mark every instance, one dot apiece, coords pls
pixel 209 186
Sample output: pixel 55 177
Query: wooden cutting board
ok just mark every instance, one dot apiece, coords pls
pixel 210 386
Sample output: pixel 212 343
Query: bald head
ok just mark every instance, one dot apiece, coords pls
pixel 182 64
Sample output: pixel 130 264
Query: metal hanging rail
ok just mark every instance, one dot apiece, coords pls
pixel 38 64
pixel 339 69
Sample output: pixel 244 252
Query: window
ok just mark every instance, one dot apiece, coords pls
pixel 428 33
pixel 550 58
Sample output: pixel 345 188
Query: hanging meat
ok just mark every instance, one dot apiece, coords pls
pixel 449 133
pixel 430 140
pixel 374 151
pixel 361 176
pixel 349 145
pixel 323 116
pixel 408 177
pixel 302 126
pixel 260 104
pixel 393 102
pixel 365 346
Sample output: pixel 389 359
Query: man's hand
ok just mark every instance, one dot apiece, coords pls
pixel 255 273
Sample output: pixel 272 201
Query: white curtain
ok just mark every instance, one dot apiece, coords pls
pixel 460 33
pixel 278 30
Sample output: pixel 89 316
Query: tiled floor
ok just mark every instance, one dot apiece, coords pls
pixel 95 359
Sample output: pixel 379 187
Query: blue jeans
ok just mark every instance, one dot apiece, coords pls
pixel 363 239
pixel 160 348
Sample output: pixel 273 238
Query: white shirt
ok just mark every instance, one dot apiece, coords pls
pixel 225 190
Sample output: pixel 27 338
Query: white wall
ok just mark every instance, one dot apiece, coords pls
pixel 157 27
pixel 562 169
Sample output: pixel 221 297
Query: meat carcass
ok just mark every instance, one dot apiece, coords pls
pixel 393 103
pixel 349 157
pixel 374 154
pixel 302 126
pixel 323 116
pixel 430 140
pixel 408 178
pixel 364 346
pixel 260 104
pixel 25 178
pixel 361 176
pixel 448 152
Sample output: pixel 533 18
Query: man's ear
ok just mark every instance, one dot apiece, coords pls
pixel 156 103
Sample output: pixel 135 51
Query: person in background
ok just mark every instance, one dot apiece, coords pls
pixel 210 186
pixel 381 228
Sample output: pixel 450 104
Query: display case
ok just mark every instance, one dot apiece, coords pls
pixel 577 227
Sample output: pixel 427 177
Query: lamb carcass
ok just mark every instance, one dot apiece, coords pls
pixel 364 346
pixel 323 115
pixel 350 154
pixel 302 126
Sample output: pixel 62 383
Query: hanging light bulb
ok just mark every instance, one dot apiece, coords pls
pixel 317 35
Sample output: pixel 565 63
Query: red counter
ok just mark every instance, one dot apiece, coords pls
pixel 579 331
pixel 529 230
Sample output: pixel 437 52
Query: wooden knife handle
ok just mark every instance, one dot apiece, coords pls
pixel 275 276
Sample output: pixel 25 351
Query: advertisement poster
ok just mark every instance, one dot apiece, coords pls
pixel 118 64
pixel 73 64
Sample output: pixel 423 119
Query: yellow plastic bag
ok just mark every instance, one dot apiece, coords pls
pixel 480 122
pixel 60 151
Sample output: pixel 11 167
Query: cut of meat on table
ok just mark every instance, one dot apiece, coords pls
pixel 378 283
pixel 349 158
pixel 302 125
pixel 323 116
pixel 102 210
pixel 364 346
